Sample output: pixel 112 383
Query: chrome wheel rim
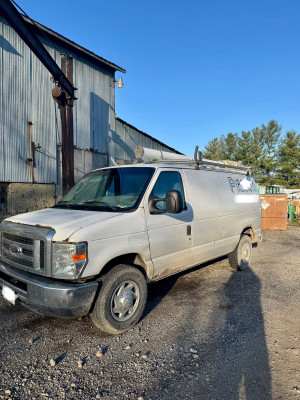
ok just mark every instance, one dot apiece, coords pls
pixel 125 301
pixel 246 253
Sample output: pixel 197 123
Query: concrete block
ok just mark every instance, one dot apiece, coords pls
pixel 24 197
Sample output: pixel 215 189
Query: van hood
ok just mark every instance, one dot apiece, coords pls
pixel 65 222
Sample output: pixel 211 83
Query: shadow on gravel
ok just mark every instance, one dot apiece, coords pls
pixel 157 291
pixel 241 363
pixel 232 359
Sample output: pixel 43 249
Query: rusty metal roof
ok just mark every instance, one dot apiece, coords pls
pixel 72 46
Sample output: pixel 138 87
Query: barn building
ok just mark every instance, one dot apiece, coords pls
pixel 30 126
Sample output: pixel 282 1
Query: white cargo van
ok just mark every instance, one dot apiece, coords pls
pixel 120 228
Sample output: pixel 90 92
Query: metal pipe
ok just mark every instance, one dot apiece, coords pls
pixel 145 153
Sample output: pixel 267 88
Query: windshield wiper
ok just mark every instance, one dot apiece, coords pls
pixel 101 204
pixel 66 204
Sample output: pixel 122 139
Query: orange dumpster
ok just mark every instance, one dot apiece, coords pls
pixel 274 212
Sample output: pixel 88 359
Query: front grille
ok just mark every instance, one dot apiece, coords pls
pixel 26 252
pixel 26 247
pixel 17 239
pixel 42 255
pixel 23 251
pixel 17 260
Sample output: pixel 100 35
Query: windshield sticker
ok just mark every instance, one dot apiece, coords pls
pixel 242 185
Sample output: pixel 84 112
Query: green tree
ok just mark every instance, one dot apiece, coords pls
pixel 222 149
pixel 213 150
pixel 269 138
pixel 243 152
pixel 230 146
pixel 272 160
pixel 289 160
pixel 256 154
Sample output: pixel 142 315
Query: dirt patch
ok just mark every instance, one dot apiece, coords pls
pixel 209 333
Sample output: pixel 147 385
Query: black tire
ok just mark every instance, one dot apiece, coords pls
pixel 241 256
pixel 121 300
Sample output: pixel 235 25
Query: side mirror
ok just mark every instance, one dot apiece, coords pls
pixel 174 202
pixel 152 205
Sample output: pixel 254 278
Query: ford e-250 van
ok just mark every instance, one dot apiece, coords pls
pixel 120 228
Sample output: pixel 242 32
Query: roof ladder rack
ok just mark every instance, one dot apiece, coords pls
pixel 200 161
pixel 156 156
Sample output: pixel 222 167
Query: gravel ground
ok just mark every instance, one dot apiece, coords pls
pixel 208 333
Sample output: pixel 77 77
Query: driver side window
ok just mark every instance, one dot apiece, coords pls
pixel 167 180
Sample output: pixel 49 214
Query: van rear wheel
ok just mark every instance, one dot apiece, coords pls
pixel 121 300
pixel 241 256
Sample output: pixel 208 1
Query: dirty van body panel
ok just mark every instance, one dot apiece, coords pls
pixel 170 246
pixel 125 234
pixel 65 222
pixel 109 234
pixel 169 238
pixel 224 204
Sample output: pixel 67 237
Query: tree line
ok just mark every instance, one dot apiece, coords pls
pixel 273 156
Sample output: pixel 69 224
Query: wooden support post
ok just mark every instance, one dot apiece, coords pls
pixel 66 112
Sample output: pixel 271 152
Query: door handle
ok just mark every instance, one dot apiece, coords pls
pixel 189 230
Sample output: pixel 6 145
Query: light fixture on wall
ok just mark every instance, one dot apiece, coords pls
pixel 120 83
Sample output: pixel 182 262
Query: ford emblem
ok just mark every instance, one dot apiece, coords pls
pixel 16 250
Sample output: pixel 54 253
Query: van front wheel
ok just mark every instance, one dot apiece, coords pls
pixel 121 300
pixel 241 256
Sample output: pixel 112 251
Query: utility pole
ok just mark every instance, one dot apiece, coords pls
pixel 65 104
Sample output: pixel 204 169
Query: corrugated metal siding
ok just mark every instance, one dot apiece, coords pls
pixel 25 96
pixel 93 107
pixel 44 124
pixel 13 106
pixel 87 161
pixel 126 140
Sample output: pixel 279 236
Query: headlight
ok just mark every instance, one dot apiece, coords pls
pixel 68 260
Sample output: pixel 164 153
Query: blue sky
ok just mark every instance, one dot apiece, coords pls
pixel 195 69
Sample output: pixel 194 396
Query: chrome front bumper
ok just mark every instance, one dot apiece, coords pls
pixel 48 296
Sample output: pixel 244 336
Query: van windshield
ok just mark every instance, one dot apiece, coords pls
pixel 115 189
